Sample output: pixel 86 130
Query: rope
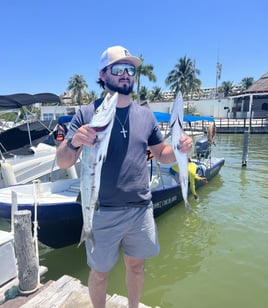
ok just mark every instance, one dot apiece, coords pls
pixel 35 224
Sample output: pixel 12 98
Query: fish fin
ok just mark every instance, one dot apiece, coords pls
pixel 82 237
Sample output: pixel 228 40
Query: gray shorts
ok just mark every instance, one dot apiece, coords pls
pixel 133 229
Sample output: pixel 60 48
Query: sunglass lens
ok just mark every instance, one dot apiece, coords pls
pixel 118 70
pixel 131 70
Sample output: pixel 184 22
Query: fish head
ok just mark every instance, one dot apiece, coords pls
pixel 177 110
pixel 105 113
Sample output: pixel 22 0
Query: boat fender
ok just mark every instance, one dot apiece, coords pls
pixel 8 174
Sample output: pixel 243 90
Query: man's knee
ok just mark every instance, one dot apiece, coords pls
pixel 98 277
pixel 133 264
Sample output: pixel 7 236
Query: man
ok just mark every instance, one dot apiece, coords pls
pixel 125 218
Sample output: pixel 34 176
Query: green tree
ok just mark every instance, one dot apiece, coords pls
pixel 156 94
pixel 143 93
pixel 183 77
pixel 91 96
pixel 247 82
pixel 227 88
pixel 194 86
pixel 78 86
pixel 144 70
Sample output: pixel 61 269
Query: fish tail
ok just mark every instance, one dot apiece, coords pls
pixel 82 238
pixel 87 236
pixel 187 206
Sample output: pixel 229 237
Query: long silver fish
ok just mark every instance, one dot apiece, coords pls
pixel 92 161
pixel 176 121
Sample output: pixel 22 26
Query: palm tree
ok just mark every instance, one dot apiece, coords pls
pixel 247 82
pixel 156 94
pixel 143 94
pixel 90 97
pixel 226 87
pixel 77 85
pixel 183 77
pixel 195 86
pixel 144 70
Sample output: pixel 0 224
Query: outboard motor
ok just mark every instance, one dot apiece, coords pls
pixel 202 148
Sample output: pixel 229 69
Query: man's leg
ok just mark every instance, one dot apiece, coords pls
pixel 134 280
pixel 97 285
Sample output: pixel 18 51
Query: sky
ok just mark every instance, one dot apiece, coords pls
pixel 45 42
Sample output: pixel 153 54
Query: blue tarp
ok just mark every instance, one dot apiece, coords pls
pixel 64 119
pixel 165 117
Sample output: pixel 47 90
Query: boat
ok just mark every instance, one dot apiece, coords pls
pixel 58 207
pixel 168 192
pixel 27 150
pixel 57 203
pixel 32 130
pixel 206 128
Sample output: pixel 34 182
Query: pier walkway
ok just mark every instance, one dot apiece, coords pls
pixel 234 126
pixel 66 292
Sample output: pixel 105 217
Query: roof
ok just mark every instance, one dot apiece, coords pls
pixel 23 99
pixel 259 86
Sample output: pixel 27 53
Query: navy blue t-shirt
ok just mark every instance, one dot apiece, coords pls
pixel 124 176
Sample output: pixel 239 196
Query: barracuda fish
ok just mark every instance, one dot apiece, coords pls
pixel 92 161
pixel 175 123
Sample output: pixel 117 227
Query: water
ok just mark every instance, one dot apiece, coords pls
pixel 215 257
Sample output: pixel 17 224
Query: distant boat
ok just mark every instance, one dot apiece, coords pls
pixel 189 127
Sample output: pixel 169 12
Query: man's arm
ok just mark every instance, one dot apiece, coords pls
pixel 67 155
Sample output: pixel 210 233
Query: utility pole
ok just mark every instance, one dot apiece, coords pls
pixel 218 76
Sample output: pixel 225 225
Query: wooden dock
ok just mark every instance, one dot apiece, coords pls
pixel 66 292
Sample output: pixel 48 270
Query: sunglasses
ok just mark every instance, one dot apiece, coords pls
pixel 119 69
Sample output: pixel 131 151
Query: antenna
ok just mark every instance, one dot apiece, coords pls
pixel 218 74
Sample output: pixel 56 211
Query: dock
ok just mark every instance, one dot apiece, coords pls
pixel 66 292
pixel 20 276
pixel 236 126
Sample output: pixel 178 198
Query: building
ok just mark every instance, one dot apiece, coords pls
pixel 253 102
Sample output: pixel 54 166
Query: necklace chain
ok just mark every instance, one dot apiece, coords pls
pixel 123 130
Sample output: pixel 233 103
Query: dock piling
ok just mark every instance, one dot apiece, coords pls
pixel 28 268
pixel 245 148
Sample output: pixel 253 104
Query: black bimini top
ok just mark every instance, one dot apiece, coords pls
pixel 18 139
pixel 23 99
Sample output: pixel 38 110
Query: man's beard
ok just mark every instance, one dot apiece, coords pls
pixel 126 89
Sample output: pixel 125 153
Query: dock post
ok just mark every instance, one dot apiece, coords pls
pixel 245 148
pixel 28 268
